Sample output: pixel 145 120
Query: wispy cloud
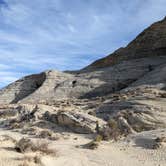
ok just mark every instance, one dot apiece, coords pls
pixel 40 34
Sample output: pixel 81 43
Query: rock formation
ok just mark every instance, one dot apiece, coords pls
pixel 150 43
pixel 129 86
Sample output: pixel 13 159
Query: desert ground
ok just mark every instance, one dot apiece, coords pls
pixel 135 150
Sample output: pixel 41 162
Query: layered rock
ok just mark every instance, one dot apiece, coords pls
pixel 134 74
pixel 61 86
pixel 77 121
pixel 136 109
pixel 21 88
pixel 144 57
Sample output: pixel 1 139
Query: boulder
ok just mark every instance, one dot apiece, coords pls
pixel 76 121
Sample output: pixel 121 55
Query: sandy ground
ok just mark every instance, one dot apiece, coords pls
pixel 134 151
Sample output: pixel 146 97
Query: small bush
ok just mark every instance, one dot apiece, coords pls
pixel 27 160
pixel 112 124
pixel 157 145
pixel 45 134
pixel 48 134
pixel 111 131
pixel 158 142
pixel 93 113
pixel 43 147
pixel 7 113
pixel 8 138
pixel 94 143
pixel 91 145
pixel 37 160
pixel 26 145
pixel 160 139
pixel 25 163
pixel 98 138
pixel 163 95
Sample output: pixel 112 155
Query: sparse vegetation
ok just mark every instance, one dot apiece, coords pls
pixel 91 145
pixel 163 95
pixel 93 113
pixel 8 138
pixel 160 139
pixel 158 142
pixel 26 145
pixel 111 131
pixel 7 113
pixel 25 163
pixel 29 131
pixel 98 138
pixel 94 144
pixel 15 125
pixel 48 135
pixel 43 148
pixel 45 134
pixel 28 160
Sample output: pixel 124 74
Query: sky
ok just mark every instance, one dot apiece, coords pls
pixel 39 35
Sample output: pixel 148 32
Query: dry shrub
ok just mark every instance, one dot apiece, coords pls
pixel 98 138
pixel 94 144
pixel 112 124
pixel 29 131
pixel 163 95
pixel 8 138
pixel 27 160
pixel 15 125
pixel 160 139
pixel 45 134
pixel 7 113
pixel 26 145
pixel 54 138
pixel 157 145
pixel 43 147
pixel 91 145
pixel 93 113
pixel 158 142
pixel 37 160
pixel 25 163
pixel 111 131
pixel 48 134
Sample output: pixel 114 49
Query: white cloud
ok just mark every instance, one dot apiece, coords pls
pixel 7 77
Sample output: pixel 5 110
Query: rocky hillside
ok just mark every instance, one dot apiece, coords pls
pixel 128 86
pixel 151 42
pixel 142 61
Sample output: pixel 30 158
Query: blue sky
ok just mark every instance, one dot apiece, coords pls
pixel 67 34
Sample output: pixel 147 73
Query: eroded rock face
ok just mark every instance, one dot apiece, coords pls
pixel 63 86
pixel 32 115
pixel 135 110
pixel 77 122
pixel 143 61
pixel 128 86
pixel 21 88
